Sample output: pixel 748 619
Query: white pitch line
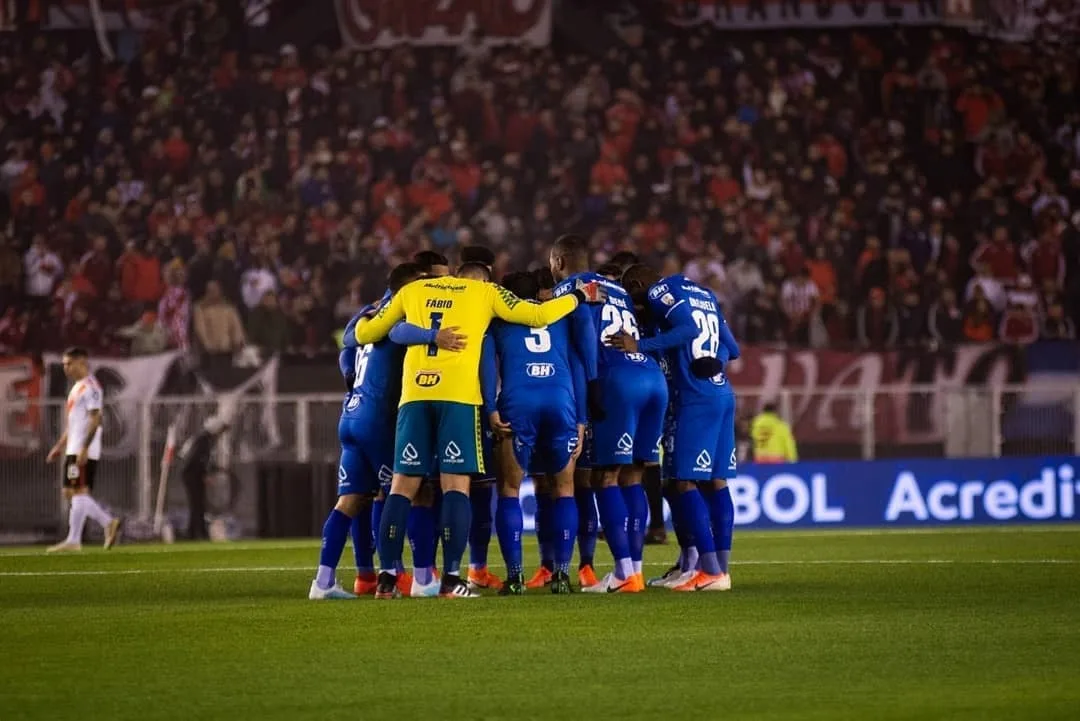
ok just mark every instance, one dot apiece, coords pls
pixel 835 562
pixel 771 534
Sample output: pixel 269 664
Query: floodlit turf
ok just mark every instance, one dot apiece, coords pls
pixel 971 624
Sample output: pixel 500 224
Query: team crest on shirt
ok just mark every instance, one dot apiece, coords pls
pixel 428 379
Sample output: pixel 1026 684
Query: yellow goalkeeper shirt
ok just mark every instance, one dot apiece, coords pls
pixel 432 374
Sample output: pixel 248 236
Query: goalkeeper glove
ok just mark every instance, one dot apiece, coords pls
pixel 706 367
pixel 594 399
pixel 591 292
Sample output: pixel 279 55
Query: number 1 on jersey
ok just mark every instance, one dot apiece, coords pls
pixel 436 323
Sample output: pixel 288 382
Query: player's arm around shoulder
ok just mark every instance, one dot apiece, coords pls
pixel 379 327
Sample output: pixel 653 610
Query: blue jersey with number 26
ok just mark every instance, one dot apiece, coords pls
pixel 678 304
pixel 614 316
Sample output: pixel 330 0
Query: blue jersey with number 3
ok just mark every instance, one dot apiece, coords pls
pixel 614 316
pixel 678 303
pixel 538 362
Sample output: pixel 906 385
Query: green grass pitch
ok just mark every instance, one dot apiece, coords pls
pixel 959 624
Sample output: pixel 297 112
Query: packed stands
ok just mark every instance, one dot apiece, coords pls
pixel 870 188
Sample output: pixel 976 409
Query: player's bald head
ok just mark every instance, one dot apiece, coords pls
pixel 569 255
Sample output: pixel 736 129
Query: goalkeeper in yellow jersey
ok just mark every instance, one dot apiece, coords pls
pixel 438 425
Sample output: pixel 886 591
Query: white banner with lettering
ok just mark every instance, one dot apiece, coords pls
pixel 758 14
pixel 385 23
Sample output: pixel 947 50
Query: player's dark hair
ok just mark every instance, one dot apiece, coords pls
pixel 611 271
pixel 544 279
pixel 574 249
pixel 402 275
pixel 639 278
pixel 429 258
pixel 523 285
pixel 769 408
pixel 477 271
pixel 477 254
pixel 624 259
pixel 77 352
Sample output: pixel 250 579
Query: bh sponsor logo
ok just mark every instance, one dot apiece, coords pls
pixel 539 370
pixel 428 379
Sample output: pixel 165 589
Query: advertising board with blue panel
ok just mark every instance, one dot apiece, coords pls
pixel 905 493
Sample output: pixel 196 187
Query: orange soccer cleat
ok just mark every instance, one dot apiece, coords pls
pixel 612 584
pixel 365 584
pixel 702 581
pixel 587 577
pixel 541 578
pixel 483 578
pixel 404 583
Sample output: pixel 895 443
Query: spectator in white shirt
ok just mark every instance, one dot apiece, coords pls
pixel 42 268
pixel 256 282
pixel 992 287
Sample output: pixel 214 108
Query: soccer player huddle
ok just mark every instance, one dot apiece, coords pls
pixel 459 388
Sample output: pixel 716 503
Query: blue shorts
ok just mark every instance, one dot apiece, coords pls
pixel 699 441
pixel 545 430
pixel 367 443
pixel 438 437
pixel 635 401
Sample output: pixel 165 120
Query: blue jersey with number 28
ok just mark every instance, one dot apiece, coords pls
pixel 680 305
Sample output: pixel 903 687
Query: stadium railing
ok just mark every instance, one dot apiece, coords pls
pixel 268 430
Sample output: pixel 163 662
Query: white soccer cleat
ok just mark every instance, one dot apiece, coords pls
pixel 679 580
pixel 612 584
pixel 669 575
pixel 425 590
pixel 334 593
pixel 64 547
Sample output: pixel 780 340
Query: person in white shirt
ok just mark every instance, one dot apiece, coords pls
pixel 80 445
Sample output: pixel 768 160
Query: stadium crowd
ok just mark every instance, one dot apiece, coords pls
pixel 863 188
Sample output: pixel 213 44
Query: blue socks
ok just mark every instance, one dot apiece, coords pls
pixel 363 542
pixel 637 509
pixel 588 525
pixel 696 515
pixel 509 525
pixel 722 511
pixel 421 526
pixel 565 528
pixel 456 519
pixel 395 519
pixel 334 533
pixel 480 531
pixel 376 519
pixel 613 516
pixel 545 532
